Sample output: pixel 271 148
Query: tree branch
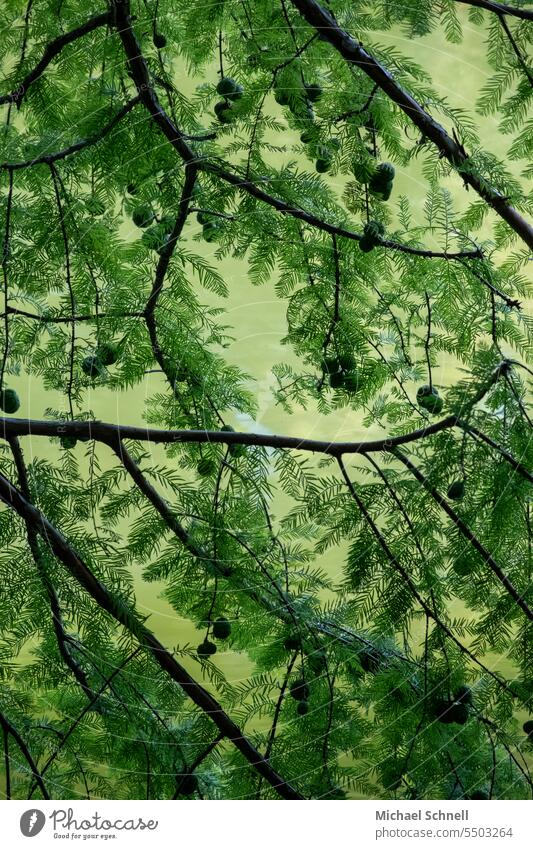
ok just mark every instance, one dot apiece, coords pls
pixel 512 303
pixel 517 466
pixel 182 776
pixel 67 319
pixel 161 270
pixel 93 700
pixel 53 601
pixel 516 50
pixel 466 532
pixel 353 52
pixel 433 615
pixel 68 275
pixel 110 433
pixel 5 258
pixel 412 532
pixel 123 614
pixel 7 764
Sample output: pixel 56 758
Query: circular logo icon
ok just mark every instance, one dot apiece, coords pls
pixel 32 822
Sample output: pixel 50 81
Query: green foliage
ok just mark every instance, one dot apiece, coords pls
pixel 368 606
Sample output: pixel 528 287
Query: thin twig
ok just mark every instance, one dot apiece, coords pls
pixel 518 53
pixel 55 181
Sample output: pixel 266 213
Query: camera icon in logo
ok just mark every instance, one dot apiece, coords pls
pixel 32 822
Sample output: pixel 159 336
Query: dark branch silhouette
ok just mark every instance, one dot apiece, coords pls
pixel 9 729
pixel 108 432
pixel 62 640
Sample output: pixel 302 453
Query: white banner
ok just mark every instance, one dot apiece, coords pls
pixel 254 825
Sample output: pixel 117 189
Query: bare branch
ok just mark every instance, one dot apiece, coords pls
pixel 110 433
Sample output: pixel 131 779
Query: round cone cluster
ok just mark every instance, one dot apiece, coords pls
pixel 456 490
pixel 142 216
pixel 106 354
pixel 229 88
pixel 342 372
pixel 452 712
pixel 9 401
pixel 381 181
pixel 230 91
pixel 92 367
pixel 299 691
pixel 429 399
pixel 372 235
pixel 206 649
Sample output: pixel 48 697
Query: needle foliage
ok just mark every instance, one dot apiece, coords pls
pixel 381 588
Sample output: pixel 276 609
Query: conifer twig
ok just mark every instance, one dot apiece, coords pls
pixel 500 8
pixel 52 49
pixel 466 532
